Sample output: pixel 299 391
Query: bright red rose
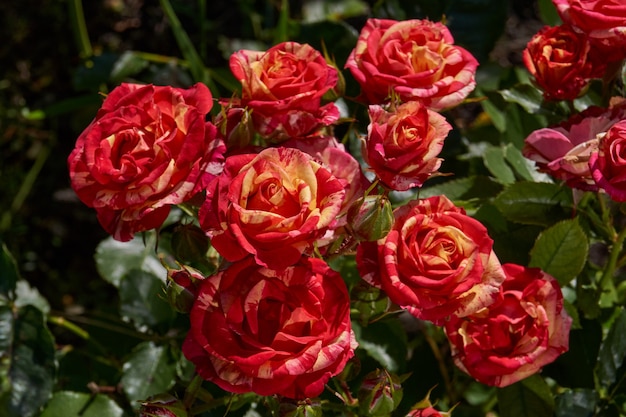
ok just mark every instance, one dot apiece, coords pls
pixel 436 262
pixel 283 87
pixel 148 147
pixel 604 21
pixel 275 205
pixel 513 338
pixel 608 164
pixel 413 59
pixel 563 151
pixel 560 60
pixel 402 146
pixel 271 332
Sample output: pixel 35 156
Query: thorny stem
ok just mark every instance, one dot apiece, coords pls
pixel 611 265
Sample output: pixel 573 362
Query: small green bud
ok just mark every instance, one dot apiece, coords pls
pixel 304 408
pixel 370 218
pixel 181 287
pixel 380 393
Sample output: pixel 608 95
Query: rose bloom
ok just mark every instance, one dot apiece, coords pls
pixel 563 151
pixel 513 338
pixel 561 62
pixel 604 21
pixel 608 164
pixel 402 145
pixel 436 261
pixel 275 205
pixel 148 147
pixel 413 59
pixel 283 87
pixel 271 332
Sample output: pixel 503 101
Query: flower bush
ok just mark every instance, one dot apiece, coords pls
pixel 316 243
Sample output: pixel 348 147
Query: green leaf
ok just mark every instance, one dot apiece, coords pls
pixel 561 251
pixel 80 404
pixel 8 274
pixel 27 295
pixel 540 204
pixel 613 352
pixel 548 13
pixel 520 164
pixel 280 33
pixel 526 96
pixel 495 162
pixel 384 341
pixel 530 397
pixel 150 370
pixel 576 403
pixel 115 259
pixel 142 300
pixel 127 65
pixel 495 113
pixel 28 366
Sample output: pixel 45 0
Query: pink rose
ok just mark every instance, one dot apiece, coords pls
pixel 608 164
pixel 436 261
pixel 413 59
pixel 402 146
pixel 274 205
pixel 148 148
pixel 283 87
pixel 563 151
pixel 604 21
pixel 561 62
pixel 513 338
pixel 271 332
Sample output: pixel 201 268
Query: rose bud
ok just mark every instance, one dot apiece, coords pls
pixel 370 218
pixel 162 405
pixel 235 125
pixel 380 393
pixel 304 408
pixel 181 287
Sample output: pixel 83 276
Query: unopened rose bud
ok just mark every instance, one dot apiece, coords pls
pixel 380 393
pixel 304 408
pixel 235 124
pixel 370 218
pixel 189 243
pixel 181 287
pixel 162 405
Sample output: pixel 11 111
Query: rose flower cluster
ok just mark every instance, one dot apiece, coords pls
pixel 278 195
pixel 587 150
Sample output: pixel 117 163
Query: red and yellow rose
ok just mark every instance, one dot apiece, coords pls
pixel 283 88
pixel 286 332
pixel 525 329
pixel 274 205
pixel 436 261
pixel 403 145
pixel 148 148
pixel 414 60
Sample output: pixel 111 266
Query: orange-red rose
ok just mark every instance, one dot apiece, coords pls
pixel 413 59
pixel 603 21
pixel 148 147
pixel 283 87
pixel 436 262
pixel 402 146
pixel 274 205
pixel 271 332
pixel 561 62
pixel 525 329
